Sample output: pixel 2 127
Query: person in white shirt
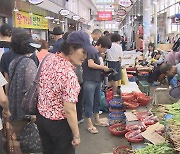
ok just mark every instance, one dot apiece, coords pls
pixel 114 56
pixel 4 104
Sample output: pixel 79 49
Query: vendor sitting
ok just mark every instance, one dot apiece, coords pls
pixel 153 56
pixel 164 70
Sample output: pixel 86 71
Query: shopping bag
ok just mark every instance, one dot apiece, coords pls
pixel 124 79
pixel 30 139
pixel 11 145
pixel 103 103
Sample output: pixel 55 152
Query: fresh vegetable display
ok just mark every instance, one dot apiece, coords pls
pixel 174 109
pixel 162 148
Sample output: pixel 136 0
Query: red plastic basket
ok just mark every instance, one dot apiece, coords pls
pixel 131 105
pixel 142 115
pixel 138 94
pixel 129 97
pixel 128 128
pixel 117 149
pixel 117 133
pixel 132 140
pixel 143 100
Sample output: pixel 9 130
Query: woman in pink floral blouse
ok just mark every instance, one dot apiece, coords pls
pixel 58 94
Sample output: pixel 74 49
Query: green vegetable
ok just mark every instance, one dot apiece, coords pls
pixel 162 148
pixel 174 109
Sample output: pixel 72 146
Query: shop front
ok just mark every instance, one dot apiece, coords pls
pixel 34 24
pixel 5 11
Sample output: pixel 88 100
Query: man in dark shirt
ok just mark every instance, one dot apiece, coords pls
pixel 58 34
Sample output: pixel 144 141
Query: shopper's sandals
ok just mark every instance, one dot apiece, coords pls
pixel 92 130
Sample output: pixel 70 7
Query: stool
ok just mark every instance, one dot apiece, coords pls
pixel 144 86
pixel 143 76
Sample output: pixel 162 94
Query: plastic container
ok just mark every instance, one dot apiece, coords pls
pixel 134 127
pixel 119 132
pixel 143 100
pixel 132 140
pixel 117 149
pixel 118 121
pixel 118 115
pixel 128 97
pixel 131 105
pixel 144 86
pixel 112 110
pixel 142 115
pixel 116 103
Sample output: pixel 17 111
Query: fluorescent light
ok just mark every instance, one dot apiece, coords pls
pixel 138 14
pixel 47 17
pixel 58 23
pixel 62 21
pixel 135 17
pixel 51 17
pixel 155 2
pixel 53 22
pixel 56 19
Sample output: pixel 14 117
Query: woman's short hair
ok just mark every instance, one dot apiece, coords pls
pixel 104 41
pixel 5 30
pixel 66 48
pixel 20 42
pixel 115 37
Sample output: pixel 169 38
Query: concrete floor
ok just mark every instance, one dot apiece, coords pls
pixel 102 142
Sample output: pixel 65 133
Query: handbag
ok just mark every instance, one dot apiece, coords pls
pixel 30 100
pixel 11 145
pixel 30 139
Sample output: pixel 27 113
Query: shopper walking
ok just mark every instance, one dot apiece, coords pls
pixel 58 94
pixel 114 56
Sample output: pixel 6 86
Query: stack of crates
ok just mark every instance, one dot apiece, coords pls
pixel 144 86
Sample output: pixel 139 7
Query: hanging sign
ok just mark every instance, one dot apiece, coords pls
pixel 75 17
pixel 25 20
pixel 35 2
pixel 64 12
pixel 82 20
pixel 125 3
pixel 104 15
pixel 121 12
pixel 118 19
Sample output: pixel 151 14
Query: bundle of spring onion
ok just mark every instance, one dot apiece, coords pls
pixel 174 124
pixel 162 148
pixel 174 109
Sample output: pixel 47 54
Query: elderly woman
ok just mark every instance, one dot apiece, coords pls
pixel 22 72
pixel 58 94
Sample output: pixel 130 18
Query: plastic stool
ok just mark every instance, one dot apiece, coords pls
pixel 144 86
